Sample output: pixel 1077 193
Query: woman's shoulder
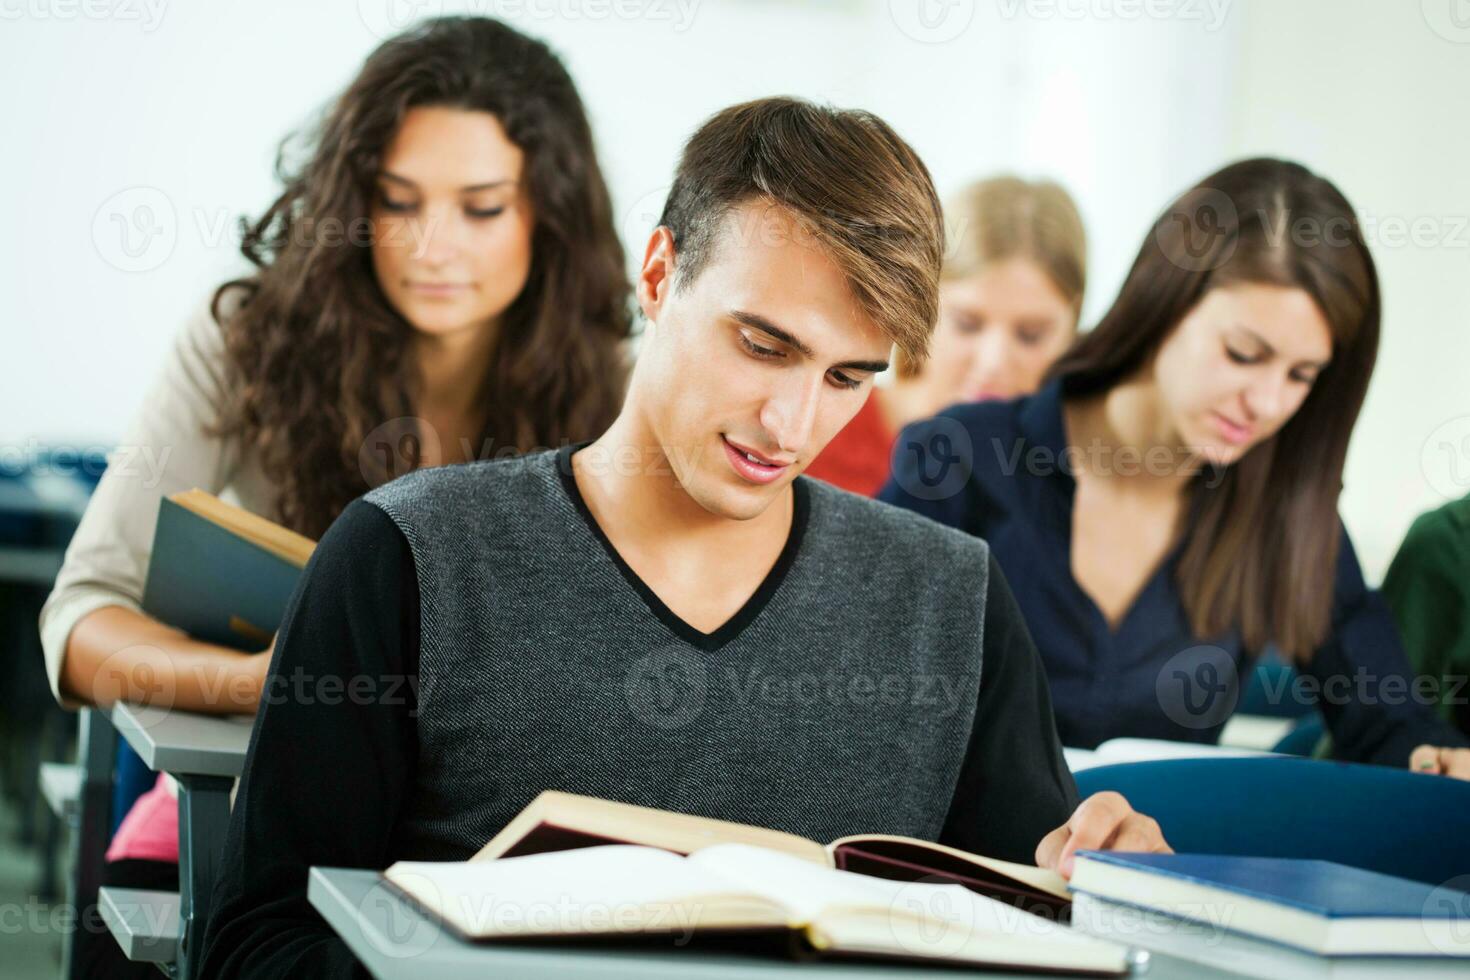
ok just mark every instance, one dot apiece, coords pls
pixel 204 327
pixel 1445 528
pixel 963 461
pixel 994 439
pixel 969 423
pixel 198 364
pixel 1436 544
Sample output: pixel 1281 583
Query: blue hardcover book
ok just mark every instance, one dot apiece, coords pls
pixel 220 573
pixel 1318 906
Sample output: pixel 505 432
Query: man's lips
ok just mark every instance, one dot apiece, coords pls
pixel 759 457
pixel 752 466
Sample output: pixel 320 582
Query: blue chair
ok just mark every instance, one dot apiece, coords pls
pixel 131 778
pixel 1374 817
pixel 1269 689
pixel 1303 737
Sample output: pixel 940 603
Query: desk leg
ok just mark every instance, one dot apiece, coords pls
pixel 204 816
pixel 96 754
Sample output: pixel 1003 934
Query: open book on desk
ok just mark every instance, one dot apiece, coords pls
pixel 558 821
pixel 743 891
pixel 1119 750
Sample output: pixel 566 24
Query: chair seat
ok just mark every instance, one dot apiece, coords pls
pixel 146 924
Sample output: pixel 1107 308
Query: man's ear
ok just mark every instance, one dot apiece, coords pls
pixel 656 277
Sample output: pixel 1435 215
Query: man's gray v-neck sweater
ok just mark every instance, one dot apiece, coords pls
pixel 467 636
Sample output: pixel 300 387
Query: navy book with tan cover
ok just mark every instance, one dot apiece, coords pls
pixel 220 573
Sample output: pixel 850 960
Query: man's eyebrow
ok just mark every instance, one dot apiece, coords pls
pixel 758 322
pixel 470 188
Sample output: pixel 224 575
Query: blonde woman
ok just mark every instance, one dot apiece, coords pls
pixel 1009 302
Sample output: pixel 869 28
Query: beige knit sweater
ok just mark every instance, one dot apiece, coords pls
pixel 165 450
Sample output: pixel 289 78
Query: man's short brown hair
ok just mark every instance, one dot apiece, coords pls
pixel 857 189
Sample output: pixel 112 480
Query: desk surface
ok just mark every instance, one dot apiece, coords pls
pixel 182 742
pixel 394 940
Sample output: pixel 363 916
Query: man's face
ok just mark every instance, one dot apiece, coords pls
pixel 766 353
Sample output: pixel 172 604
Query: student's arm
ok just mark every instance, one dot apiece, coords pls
pixel 1367 693
pixel 100 647
pixel 332 755
pixel 1015 785
pixel 1016 799
pixel 117 653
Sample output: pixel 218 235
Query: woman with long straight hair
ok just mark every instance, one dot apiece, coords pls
pixel 1165 507
pixel 438 281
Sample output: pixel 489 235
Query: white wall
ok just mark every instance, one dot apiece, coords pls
pixel 1374 96
pixel 1126 105
pixel 187 100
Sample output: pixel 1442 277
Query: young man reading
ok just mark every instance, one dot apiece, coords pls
pixel 671 616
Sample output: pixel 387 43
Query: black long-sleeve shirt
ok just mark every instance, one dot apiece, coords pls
pixel 330 773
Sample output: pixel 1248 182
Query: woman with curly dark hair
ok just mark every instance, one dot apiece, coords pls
pixel 440 280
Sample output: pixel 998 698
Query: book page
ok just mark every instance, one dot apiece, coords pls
pixel 554 818
pixel 803 887
pixel 1080 759
pixel 1116 750
pixel 930 854
pixel 811 892
pixel 854 913
pixel 611 888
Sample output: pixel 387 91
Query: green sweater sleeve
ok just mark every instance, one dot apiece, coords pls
pixel 1428 589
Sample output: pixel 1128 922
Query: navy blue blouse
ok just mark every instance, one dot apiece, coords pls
pixel 999 470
